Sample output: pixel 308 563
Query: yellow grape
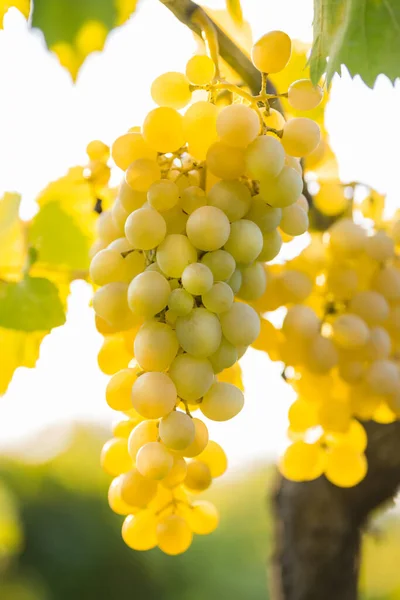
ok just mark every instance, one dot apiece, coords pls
pixel 240 324
pixel 303 462
pixel 208 228
pixel 177 473
pixel 106 229
pixel 226 162
pixel 345 466
pixel 238 125
pixel 153 461
pixel 370 306
pixel 118 390
pixel 300 322
pixel 349 331
pixel 108 266
pixel 192 376
pixel 176 430
pixel 232 197
pixel 320 355
pixel 219 298
pixel 115 501
pixel 136 490
pixel 254 282
pixel 380 246
pixel 304 95
pixel 355 437
pixel 283 190
pixel 143 433
pixel 202 517
pixel 265 157
pixel 174 254
pixel 300 136
pixel 334 415
pixel 155 346
pixel 383 377
pixel 386 281
pixel 172 90
pixel 97 150
pixel 197 279
pixel 173 535
pixel 266 217
pixel 163 130
pixel 245 241
pixel 148 294
pixel 221 263
pixel 113 354
pixel 129 198
pixel 200 69
pixel 294 220
pixel 347 238
pixel 200 128
pixel 198 477
pixel 154 395
pixel 142 173
pixel 222 402
pixel 199 332
pixel 274 119
pixel 139 531
pixel 330 199
pixel 200 440
pixel 130 147
pixel 193 197
pixel 115 458
pixel 124 427
pixel 163 195
pixel 214 456
pixel 271 53
pixel 180 302
pixel 302 415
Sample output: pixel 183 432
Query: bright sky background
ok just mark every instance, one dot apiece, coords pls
pixel 45 124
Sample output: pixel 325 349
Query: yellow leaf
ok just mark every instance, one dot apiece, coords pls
pixel 124 10
pixel 17 349
pixel 235 10
pixel 12 243
pixel 24 6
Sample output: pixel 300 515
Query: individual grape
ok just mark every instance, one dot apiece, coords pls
pixel 202 517
pixel 271 53
pixel 200 128
pixel 273 119
pixel 106 229
pixel 200 69
pixel 124 427
pixel 383 377
pixel 303 203
pixel 214 456
pixel 153 461
pixel 163 195
pixel 254 282
pixel 345 466
pixel 219 298
pixel 143 433
pixel 238 125
pixel 349 331
pixel 163 130
pixel 304 95
pixel 370 306
pixel 386 281
pixel 200 440
pixel 221 263
pixel 235 281
pixel 137 490
pixel 300 136
pixel 232 197
pixel 118 390
pixel 240 324
pixel 208 228
pixel 97 150
pixel 180 302
pixel 379 344
pixel 119 215
pixel 115 458
pixel 128 148
pixel 175 219
pixel 265 157
pixel 172 90
pixel 245 241
pixel 272 244
pixel 145 228
pixel 222 402
pixel 177 430
pixel 139 531
pixel 341 282
pixel 155 346
pixel 224 357
pixel 115 501
pixel 352 371
pixel 330 199
pixel 192 376
pixel 226 162
pixel 302 415
pixel 346 238
pixel 380 246
pixel 154 395
pixel 283 190
pixel 142 173
pixel 193 198
pixel 174 254
pixel 107 266
pixel 302 462
pixel 148 294
pixel 294 220
pixel 173 535
pixel 199 333
pixel 198 477
pixel 355 437
pixel 177 473
pixel 110 302
pixel 130 199
pixel 321 354
pixel 300 322
pixel 266 217
pixel 197 279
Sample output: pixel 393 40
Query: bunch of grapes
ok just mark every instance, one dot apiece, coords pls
pixel 204 199
pixel 339 342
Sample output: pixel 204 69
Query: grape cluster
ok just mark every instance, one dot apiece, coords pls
pixel 339 342
pixel 204 200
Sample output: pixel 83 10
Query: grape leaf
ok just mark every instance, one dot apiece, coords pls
pixel 363 35
pixel 75 28
pixel 17 349
pixel 12 245
pixel 32 304
pixel 24 6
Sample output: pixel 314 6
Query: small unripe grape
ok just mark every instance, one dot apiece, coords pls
pixel 271 53
pixel 172 90
pixel 265 157
pixel 232 197
pixel 300 136
pixel 148 294
pixel 245 241
pixel 145 228
pixel 226 162
pixel 222 402
pixel 221 263
pixel 163 194
pixel 200 69
pixel 208 228
pixel 304 95
pixel 142 173
pixel 193 197
pixel 240 324
pixel 238 125
pixel 154 395
pixel 163 130
pixel 153 461
pixel 174 254
pixel 283 190
pixel 192 376
pixel 177 430
pixel 128 148
pixel 294 220
pixel 219 298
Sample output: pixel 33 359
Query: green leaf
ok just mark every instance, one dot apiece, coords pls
pixel 32 304
pixel 363 35
pixel 234 8
pixel 75 28
pixel 58 239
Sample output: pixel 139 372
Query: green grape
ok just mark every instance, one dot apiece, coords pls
pixel 265 157
pixel 303 95
pixel 173 535
pixel 370 306
pixel 232 197
pixel 163 195
pixel 163 130
pixel 172 90
pixel 199 333
pixel 155 346
pixel 148 294
pixel 110 302
pixel 266 217
pixel 176 430
pixel 180 302
pixel 225 161
pixel 142 173
pixel 222 402
pixel 219 298
pixel 143 433
pixel 192 376
pixel 193 197
pixel 245 241
pixel 153 395
pixel 235 281
pixel 224 357
pixel 174 254
pixel 240 324
pixel 294 220
pixel 282 190
pixel 221 263
pixel 238 125
pixel 128 148
pixel 300 136
pixel 208 228
pixel 254 282
pixel 300 322
pixel 271 53
pixel 145 228
pixel 153 461
pixel 272 244
pixel 200 69
pixel 198 477
pixel 197 279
